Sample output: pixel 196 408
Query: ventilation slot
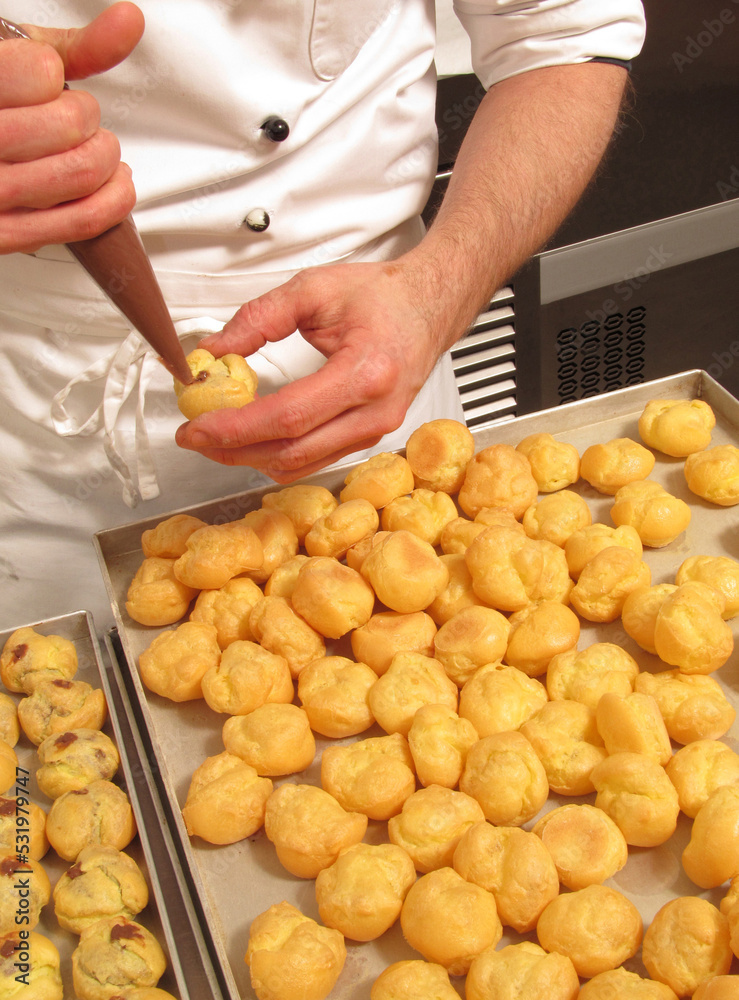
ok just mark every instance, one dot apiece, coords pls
pixel 601 356
pixel 485 364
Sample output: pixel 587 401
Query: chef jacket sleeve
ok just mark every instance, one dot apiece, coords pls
pixel 509 37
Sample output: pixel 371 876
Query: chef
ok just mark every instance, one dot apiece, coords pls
pixel 277 157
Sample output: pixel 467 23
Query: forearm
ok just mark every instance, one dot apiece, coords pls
pixel 531 149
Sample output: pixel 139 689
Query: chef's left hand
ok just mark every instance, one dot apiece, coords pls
pixel 377 330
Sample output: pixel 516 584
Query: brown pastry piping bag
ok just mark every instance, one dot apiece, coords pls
pixel 118 264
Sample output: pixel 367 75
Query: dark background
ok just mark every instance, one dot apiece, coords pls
pixel 677 148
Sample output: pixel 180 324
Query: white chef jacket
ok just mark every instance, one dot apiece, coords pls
pixel 82 404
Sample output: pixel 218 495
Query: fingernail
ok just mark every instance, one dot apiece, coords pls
pixel 199 439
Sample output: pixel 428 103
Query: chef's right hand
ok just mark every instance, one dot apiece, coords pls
pixel 61 175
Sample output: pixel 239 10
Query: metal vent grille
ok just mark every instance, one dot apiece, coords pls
pixel 602 355
pixel 485 364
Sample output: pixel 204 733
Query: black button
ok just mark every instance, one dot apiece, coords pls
pixel 257 220
pixel 276 129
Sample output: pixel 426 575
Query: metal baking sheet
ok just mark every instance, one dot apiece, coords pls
pixel 78 627
pixel 235 883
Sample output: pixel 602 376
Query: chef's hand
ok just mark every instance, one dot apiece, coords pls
pixel 369 322
pixel 61 176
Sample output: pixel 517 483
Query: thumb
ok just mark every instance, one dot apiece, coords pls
pixel 98 46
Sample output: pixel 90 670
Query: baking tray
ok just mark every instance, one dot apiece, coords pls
pixel 233 884
pixel 78 627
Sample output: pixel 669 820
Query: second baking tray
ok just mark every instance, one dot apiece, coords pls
pixel 235 883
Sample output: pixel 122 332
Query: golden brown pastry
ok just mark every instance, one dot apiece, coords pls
pixel 155 596
pixel 289 955
pixel 613 464
pixel 174 663
pixel 115 953
pixel 713 474
pixel 677 427
pixel 29 657
pixel 687 943
pixel 537 633
pixel 277 626
pixel 438 452
pixel 498 476
pixel 565 737
pixel 43 980
pixel 638 796
pixel 423 512
pixel 639 613
pixel 586 674
pixel 439 741
pixel 373 776
pixel 278 536
pixel 473 637
pixel 226 800
pixel 390 632
pixel 405 572
pixel 218 552
pixel 304 505
pixel 606 581
pixel 586 542
pixel 24 891
pixel 700 768
pixel 458 593
pixel 510 570
pixel 498 698
pixel 555 465
pixel 281 582
pixel 8 766
pixel 449 920
pixel 246 676
pixel 103 882
pixel 356 555
pixel 512 864
pixel 56 706
pixel 219 383
pixel 331 597
pixel 693 706
pixel 99 813
pixel 521 970
pixel 556 516
pixel 334 691
pixel 718 988
pixel 711 856
pixel 658 516
pixel 597 927
pixel 411 680
pixel 690 632
pixel 75 758
pixel 31 841
pixel 228 609
pixel 167 540
pixel 633 723
pixel 10 729
pixel 274 739
pixel 619 984
pixel 458 534
pixel 719 572
pixel 309 828
pixel 413 978
pixel 431 823
pixel 341 528
pixel 362 892
pixel 504 775
pixel 379 479
pixel 585 844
